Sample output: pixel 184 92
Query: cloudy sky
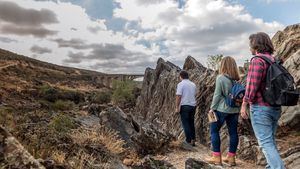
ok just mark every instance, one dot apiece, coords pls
pixel 126 36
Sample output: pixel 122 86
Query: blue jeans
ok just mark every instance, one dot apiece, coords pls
pixel 264 122
pixel 187 114
pixel 232 123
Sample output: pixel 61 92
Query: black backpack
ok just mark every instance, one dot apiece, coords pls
pixel 280 85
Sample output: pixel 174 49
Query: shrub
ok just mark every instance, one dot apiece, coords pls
pixel 100 136
pixel 123 92
pixel 63 105
pixel 53 94
pixel 62 124
pixel 102 97
pixel 49 93
pixel 72 95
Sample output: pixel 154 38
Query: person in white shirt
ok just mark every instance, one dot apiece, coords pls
pixel 186 106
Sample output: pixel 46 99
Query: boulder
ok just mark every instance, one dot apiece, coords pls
pixel 198 164
pixel 145 138
pixel 13 154
pixel 114 118
pixel 151 140
pixel 150 163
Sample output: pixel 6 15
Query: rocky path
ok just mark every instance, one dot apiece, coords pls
pixel 178 157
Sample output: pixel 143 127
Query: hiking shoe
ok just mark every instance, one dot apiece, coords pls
pixel 230 160
pixel 214 159
pixel 187 146
pixel 193 143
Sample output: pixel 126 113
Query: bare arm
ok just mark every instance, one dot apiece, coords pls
pixel 178 100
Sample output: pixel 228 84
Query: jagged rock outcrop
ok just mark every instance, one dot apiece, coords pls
pixel 14 155
pixel 287 44
pixel 157 101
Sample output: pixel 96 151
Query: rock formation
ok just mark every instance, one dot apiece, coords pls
pixel 287 44
pixel 157 101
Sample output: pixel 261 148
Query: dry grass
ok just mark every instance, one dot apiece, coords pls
pixel 84 160
pixel 59 157
pixel 99 135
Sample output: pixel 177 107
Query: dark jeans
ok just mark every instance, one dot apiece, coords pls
pixel 232 123
pixel 187 114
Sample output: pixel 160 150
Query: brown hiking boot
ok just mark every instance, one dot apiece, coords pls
pixel 214 159
pixel 230 160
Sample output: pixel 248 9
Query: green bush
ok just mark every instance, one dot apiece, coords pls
pixel 123 92
pixel 62 124
pixel 48 93
pixel 53 94
pixel 63 105
pixel 72 95
pixel 101 97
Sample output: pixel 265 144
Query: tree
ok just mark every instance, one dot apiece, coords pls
pixel 213 61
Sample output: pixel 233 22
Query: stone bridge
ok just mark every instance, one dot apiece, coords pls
pixel 107 79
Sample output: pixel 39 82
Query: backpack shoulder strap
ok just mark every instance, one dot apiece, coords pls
pixel 267 60
pixel 229 78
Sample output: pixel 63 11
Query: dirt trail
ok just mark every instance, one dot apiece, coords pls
pixel 178 157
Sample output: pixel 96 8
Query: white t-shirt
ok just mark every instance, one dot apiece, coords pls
pixel 187 90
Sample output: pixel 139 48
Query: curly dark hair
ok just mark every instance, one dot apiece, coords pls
pixel 261 42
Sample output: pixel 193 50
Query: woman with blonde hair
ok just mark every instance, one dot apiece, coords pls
pixel 228 74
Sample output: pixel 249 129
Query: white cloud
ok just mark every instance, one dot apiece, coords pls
pixel 156 28
pixel 73 26
pixel 201 28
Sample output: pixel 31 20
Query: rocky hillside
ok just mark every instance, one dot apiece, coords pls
pixel 58 117
pixel 157 102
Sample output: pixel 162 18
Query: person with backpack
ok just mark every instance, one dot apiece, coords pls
pixel 269 86
pixel 186 106
pixel 227 99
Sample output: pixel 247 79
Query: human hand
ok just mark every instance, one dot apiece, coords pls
pixel 244 111
pixel 177 110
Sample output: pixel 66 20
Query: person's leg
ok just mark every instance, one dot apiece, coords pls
pixel 232 125
pixel 276 117
pixel 184 114
pixel 192 123
pixel 215 127
pixel 214 132
pixel 262 120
